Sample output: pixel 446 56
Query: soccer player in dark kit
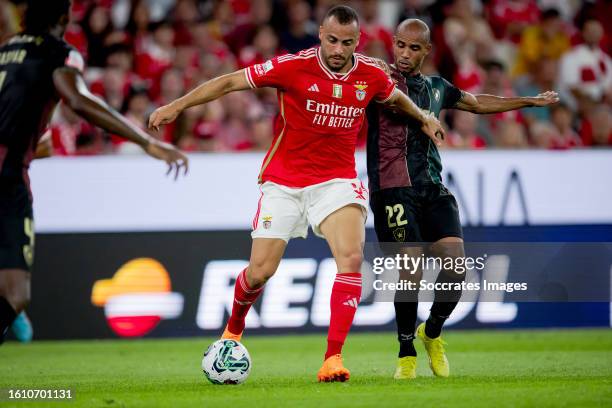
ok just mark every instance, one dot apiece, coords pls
pixel 37 69
pixel 408 199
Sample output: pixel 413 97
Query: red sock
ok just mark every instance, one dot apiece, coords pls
pixel 345 297
pixel 244 297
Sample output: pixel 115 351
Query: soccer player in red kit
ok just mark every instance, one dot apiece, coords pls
pixel 308 176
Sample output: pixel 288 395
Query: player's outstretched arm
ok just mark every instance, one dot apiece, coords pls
pixel 71 87
pixel 429 123
pixel 484 103
pixel 206 92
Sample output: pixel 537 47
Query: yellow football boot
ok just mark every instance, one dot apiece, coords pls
pixel 406 368
pixel 435 351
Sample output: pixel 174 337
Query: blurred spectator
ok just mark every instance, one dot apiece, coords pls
pixel 544 40
pixel 185 14
pixel 222 21
pixel 96 27
pixel 508 18
pixel 596 129
pixel 265 47
pixel 463 27
pixel 157 54
pixel 562 118
pixel 242 34
pixel 172 86
pixel 542 78
pixel 71 135
pixel 586 71
pixel 599 10
pixel 416 9
pixel 138 25
pixel 10 18
pixel 144 53
pixel 463 134
pixel 510 135
pixel 372 30
pixel 543 135
pixel 302 32
pixel 136 108
pixel 496 82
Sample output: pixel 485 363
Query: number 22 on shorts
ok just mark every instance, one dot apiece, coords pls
pixel 395 216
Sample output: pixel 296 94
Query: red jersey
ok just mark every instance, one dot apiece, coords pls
pixel 321 113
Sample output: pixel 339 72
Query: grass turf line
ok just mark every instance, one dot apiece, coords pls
pixel 551 368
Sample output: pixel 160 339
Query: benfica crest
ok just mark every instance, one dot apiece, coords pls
pixel 360 92
pixel 267 222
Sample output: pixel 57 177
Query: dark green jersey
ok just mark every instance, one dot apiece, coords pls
pixel 399 153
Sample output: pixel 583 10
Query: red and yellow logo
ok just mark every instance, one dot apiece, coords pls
pixel 137 297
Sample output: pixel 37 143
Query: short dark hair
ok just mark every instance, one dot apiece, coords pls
pixel 42 15
pixel 343 14
pixel 550 14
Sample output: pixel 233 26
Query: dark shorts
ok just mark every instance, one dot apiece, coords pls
pixel 425 213
pixel 16 242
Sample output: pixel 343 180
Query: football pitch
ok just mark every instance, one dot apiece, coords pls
pixel 547 368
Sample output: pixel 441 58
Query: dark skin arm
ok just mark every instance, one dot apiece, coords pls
pixel 71 88
pixel 484 103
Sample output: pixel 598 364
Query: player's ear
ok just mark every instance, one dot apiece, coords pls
pixel 428 48
pixel 321 33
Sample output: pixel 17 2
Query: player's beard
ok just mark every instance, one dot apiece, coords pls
pixel 328 61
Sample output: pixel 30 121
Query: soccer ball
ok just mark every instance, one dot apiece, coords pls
pixel 226 362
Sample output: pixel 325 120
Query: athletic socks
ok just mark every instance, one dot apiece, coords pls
pixel 7 316
pixel 406 305
pixel 345 296
pixel 445 302
pixel 244 297
pixel 433 325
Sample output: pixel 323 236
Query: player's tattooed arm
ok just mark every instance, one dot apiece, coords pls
pixel 206 92
pixel 72 89
pixel 484 103
pixel 430 125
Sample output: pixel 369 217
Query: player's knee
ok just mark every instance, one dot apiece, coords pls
pixel 350 261
pixel 258 272
pixel 17 296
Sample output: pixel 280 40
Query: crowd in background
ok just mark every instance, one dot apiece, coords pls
pixel 141 54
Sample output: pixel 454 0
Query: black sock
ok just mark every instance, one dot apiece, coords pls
pixel 444 303
pixel 405 318
pixel 7 316
pixel 433 325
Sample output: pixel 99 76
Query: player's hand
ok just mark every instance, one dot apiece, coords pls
pixel 383 65
pixel 545 98
pixel 432 128
pixel 163 115
pixel 171 155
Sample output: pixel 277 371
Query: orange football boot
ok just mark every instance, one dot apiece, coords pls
pixel 227 335
pixel 333 370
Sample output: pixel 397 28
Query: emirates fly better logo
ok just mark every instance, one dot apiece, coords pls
pixel 137 298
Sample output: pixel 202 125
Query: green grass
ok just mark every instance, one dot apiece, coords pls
pixel 560 368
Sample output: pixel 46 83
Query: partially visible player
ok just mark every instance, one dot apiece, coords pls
pixel 308 176
pixel 408 199
pixel 37 68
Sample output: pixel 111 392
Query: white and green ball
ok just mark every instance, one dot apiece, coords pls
pixel 226 362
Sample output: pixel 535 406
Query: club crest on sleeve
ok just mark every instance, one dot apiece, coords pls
pixel 436 95
pixel 267 66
